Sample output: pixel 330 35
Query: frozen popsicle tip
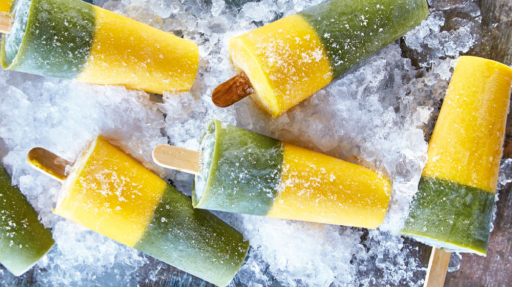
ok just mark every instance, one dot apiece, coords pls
pixel 232 91
pixel 5 23
pixel 49 163
pixel 177 158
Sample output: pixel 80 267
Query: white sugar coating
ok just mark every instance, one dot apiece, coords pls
pixel 375 115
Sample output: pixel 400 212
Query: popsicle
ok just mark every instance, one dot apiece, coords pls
pixel 111 193
pixel 453 207
pixel 23 239
pixel 72 39
pixel 244 172
pixel 284 62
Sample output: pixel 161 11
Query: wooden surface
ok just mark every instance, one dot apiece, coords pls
pixel 232 91
pixel 177 158
pixel 496 42
pixel 48 162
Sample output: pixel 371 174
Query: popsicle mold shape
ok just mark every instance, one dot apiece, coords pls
pixel 109 192
pixel 72 39
pixel 23 239
pixel 245 172
pixel 290 59
pixel 453 207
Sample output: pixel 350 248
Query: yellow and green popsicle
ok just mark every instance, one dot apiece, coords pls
pixel 453 207
pixel 72 39
pixel 249 173
pixel 112 194
pixel 290 59
pixel 23 239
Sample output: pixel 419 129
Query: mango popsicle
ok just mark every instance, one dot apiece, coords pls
pixel 112 194
pixel 454 204
pixel 72 39
pixel 244 172
pixel 290 59
pixel 23 239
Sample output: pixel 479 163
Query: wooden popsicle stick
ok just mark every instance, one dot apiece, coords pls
pixel 5 23
pixel 177 158
pixel 232 91
pixel 507 149
pixel 48 162
pixel 437 268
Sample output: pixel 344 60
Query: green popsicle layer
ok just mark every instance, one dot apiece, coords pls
pixel 23 239
pixel 193 240
pixel 351 31
pixel 242 175
pixel 49 37
pixel 451 216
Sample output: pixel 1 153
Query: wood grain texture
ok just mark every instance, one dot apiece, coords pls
pixel 5 23
pixel 437 267
pixel 232 91
pixel 496 43
pixel 177 158
pixel 48 162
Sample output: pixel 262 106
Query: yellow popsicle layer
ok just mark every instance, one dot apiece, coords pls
pixel 285 62
pixel 319 188
pixel 5 6
pixel 466 145
pixel 111 193
pixel 126 52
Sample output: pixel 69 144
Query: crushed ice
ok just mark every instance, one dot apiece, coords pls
pixel 376 115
